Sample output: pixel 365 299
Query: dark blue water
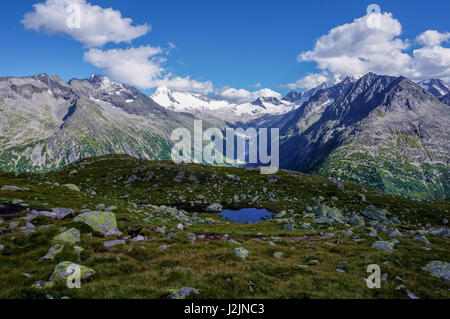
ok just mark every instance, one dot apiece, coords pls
pixel 246 215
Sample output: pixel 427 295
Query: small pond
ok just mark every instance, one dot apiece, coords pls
pixel 246 215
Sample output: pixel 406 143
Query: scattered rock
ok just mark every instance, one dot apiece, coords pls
pixel 170 236
pixel 241 252
pixel 438 232
pixel 289 227
pixel 10 188
pixel 161 230
pixel 70 236
pixel 103 222
pixel 216 207
pixel 182 293
pixel 407 292
pixel 422 238
pixel 43 284
pixel 438 269
pixel 66 268
pixel 323 220
pixel 71 187
pixel 191 237
pixel 313 262
pixel 137 239
pixel 384 246
pixel 53 251
pixel 13 225
pixel 372 213
pixel 113 243
pixel 78 250
pixel 393 233
pixel 272 179
pixel 278 254
pixel 373 232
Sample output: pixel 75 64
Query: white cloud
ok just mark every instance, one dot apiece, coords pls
pixel 432 38
pixel 431 62
pixel 256 85
pixel 97 27
pixel 142 67
pixel 308 82
pixel 134 66
pixel 243 96
pixel 355 49
pixel 185 84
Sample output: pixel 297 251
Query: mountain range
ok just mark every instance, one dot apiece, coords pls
pixel 220 110
pixel 381 131
pixel 46 123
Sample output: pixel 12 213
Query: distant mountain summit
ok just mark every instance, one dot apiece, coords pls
pixel 46 123
pixel 381 131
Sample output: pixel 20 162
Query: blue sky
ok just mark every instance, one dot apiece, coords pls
pixel 229 43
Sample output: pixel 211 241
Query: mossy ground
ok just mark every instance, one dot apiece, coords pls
pixel 144 271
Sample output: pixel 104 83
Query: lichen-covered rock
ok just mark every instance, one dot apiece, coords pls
pixel 53 251
pixel 70 236
pixel 330 212
pixel 66 268
pixel 103 222
pixel 182 293
pixel 43 284
pixel 241 252
pixel 438 269
pixel 386 246
pixel 72 187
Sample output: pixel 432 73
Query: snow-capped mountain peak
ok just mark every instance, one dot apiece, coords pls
pixel 100 81
pixel 207 107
